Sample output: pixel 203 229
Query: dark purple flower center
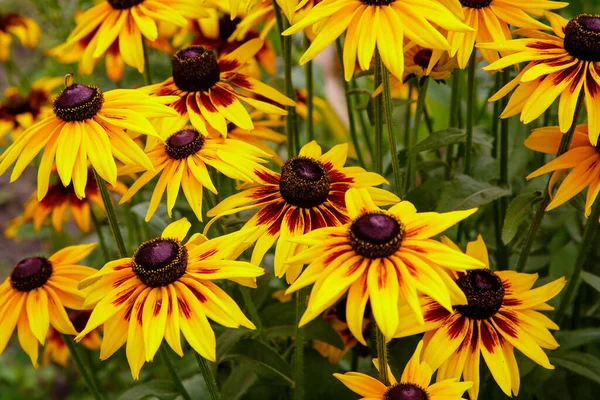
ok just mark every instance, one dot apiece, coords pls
pixel 376 235
pixel 484 291
pixel 304 182
pixel 423 57
pixel 377 2
pixel 31 273
pixel 78 103
pixel 227 26
pixel 160 262
pixel 195 69
pixel 184 143
pixel 124 4
pixel 475 3
pixel 406 391
pixel 582 37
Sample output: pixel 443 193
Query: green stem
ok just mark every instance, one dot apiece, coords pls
pixel 147 71
pixel 301 296
pixel 310 105
pixel 349 107
pixel 411 167
pixel 541 211
pixel 382 357
pixel 387 104
pixel 84 369
pixel 588 243
pixel 211 383
pixel 470 113
pixel 365 131
pixel 98 226
pixel 378 128
pixel 180 388
pixel 502 249
pixel 111 214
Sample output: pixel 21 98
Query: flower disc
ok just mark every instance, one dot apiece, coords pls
pixel 160 262
pixel 31 273
pixel 304 182
pixel 78 103
pixel 582 37
pixel 484 291
pixel 376 235
pixel 195 69
pixel 406 391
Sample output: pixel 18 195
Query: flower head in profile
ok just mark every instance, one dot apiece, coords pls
pixel 381 257
pixel 502 312
pixel 116 29
pixel 415 383
pixel 563 65
pixel 491 21
pixel 19 111
pixel 23 28
pixel 87 125
pixel 308 194
pixel 420 61
pixel 56 350
pixel 59 201
pixel 582 159
pixel 164 288
pixel 377 24
pixel 207 88
pixel 183 161
pixel 36 293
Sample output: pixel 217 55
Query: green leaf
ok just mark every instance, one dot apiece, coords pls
pixel 591 279
pixel 517 213
pixel 241 379
pixel 440 139
pixel 262 357
pixel 228 339
pixel 163 389
pixel 465 192
pixel 583 364
pixel 572 339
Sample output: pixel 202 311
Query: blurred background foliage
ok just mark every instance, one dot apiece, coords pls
pixel 247 371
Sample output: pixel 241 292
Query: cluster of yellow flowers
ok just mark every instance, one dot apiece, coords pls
pixel 323 217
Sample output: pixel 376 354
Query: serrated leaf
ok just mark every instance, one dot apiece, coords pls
pixel 465 192
pixel 439 139
pixel 518 209
pixel 583 364
pixel 591 279
pixel 163 389
pixel 572 339
pixel 262 357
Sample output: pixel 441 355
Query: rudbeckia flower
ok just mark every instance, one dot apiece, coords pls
pixel 35 296
pixel 420 61
pixel 206 88
pixel 561 65
pixel 308 194
pixel 384 257
pixel 24 28
pixel 57 202
pixel 87 125
pixel 18 111
pixel 415 383
pixel 377 24
pixel 56 349
pixel 167 287
pixel 582 158
pixel 491 21
pixel 501 314
pixel 116 28
pixel 182 161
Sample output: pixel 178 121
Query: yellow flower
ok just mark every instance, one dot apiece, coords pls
pixel 24 28
pixel 87 125
pixel 420 61
pixel 561 65
pixel 19 112
pixel 501 314
pixel 381 24
pixel 415 383
pixel 490 20
pixel 582 158
pixel 57 201
pixel 167 286
pixel 116 28
pixel 56 349
pixel 36 294
pixel 206 88
pixel 383 257
pixel 182 161
pixel 307 195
